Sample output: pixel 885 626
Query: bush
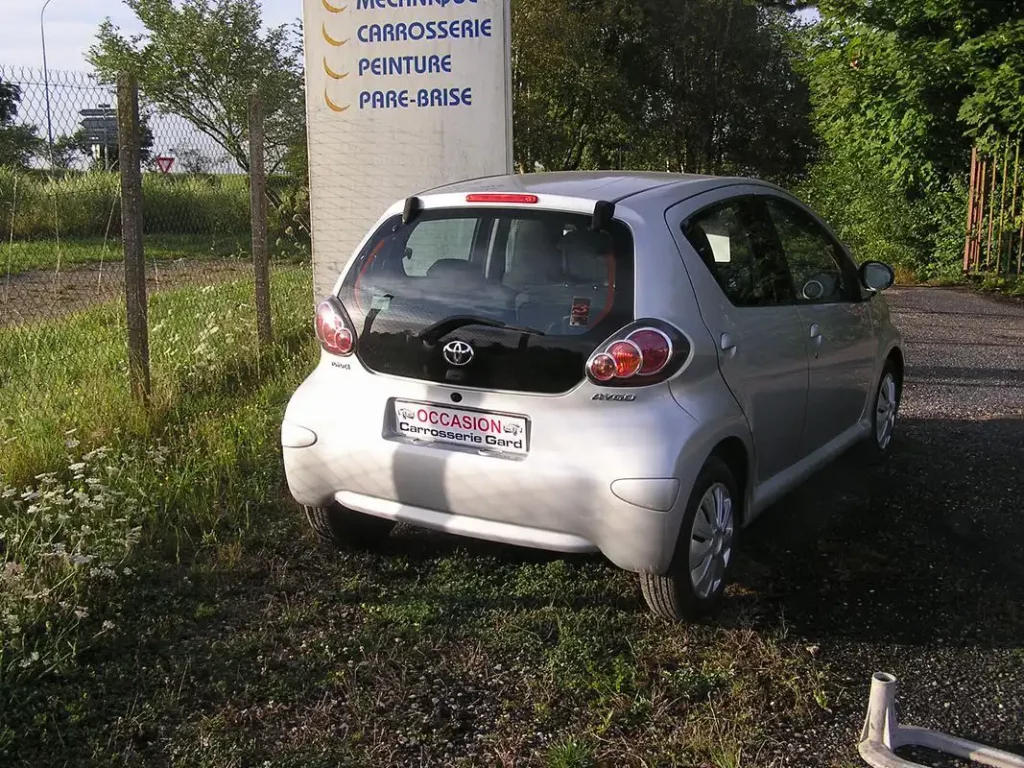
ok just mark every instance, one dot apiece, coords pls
pixel 876 220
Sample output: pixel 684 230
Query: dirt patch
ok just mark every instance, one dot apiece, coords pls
pixel 45 295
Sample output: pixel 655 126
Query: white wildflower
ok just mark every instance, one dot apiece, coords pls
pixel 11 571
pixel 81 614
pixel 108 625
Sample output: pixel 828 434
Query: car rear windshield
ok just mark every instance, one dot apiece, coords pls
pixel 531 292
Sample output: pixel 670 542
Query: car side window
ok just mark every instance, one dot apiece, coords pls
pixel 733 242
pixel 814 258
pixel 432 241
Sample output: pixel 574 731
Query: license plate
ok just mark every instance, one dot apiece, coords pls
pixel 458 426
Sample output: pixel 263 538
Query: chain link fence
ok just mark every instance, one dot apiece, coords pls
pixel 62 259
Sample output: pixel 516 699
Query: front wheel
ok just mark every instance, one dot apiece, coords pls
pixel 876 445
pixel 697 576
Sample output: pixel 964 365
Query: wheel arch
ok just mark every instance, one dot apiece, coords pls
pixel 895 356
pixel 734 452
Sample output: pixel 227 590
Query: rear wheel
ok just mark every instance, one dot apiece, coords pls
pixel 344 529
pixel 697 576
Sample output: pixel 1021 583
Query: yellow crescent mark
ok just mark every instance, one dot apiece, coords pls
pixel 334 107
pixel 331 40
pixel 331 73
pixel 334 8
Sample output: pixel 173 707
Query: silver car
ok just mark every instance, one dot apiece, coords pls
pixel 625 363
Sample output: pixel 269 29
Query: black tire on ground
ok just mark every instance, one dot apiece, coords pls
pixel 870 451
pixel 344 529
pixel 672 595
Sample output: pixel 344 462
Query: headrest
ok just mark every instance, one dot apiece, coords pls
pixel 587 254
pixel 454 268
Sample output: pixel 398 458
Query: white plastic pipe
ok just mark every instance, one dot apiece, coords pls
pixel 883 735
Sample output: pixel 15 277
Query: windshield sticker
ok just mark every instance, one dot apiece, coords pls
pixel 381 303
pixel 579 315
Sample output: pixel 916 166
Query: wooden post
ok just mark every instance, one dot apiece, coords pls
pixel 1013 209
pixel 131 234
pixel 1002 208
pixel 970 210
pixel 258 200
pixel 979 217
pixel 991 213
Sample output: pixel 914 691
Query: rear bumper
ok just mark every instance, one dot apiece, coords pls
pixel 512 504
pixel 609 477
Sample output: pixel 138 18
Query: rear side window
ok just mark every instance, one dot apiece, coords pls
pixel 528 289
pixel 736 246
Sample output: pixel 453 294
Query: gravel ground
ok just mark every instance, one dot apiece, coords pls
pixel 918 567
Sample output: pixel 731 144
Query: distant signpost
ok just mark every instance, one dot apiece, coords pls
pixel 164 164
pixel 99 129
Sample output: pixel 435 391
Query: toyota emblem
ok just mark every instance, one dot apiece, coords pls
pixel 458 353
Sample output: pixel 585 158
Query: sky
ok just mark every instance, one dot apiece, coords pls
pixel 71 28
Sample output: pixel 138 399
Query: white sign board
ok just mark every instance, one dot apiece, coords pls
pixel 401 96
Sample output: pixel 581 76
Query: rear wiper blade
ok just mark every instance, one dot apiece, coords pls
pixel 434 332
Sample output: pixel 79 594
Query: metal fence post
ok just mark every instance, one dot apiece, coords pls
pixel 131 233
pixel 258 199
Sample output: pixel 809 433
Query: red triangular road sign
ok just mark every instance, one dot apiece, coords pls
pixel 164 164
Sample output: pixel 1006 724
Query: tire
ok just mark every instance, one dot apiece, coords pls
pixel 675 595
pixel 875 448
pixel 342 528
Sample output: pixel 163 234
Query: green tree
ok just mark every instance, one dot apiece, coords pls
pixel 688 85
pixel 723 95
pixel 202 59
pixel 900 90
pixel 18 143
pixel 573 106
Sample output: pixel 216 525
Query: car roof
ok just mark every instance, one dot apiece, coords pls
pixel 612 186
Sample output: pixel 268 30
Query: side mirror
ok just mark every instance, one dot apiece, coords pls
pixel 876 276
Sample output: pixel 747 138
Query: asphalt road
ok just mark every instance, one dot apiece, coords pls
pixel 917 568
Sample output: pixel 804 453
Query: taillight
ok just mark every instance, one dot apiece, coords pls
pixel 628 358
pixel 643 353
pixel 655 349
pixel 332 329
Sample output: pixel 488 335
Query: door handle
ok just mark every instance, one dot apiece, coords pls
pixel 816 338
pixel 726 343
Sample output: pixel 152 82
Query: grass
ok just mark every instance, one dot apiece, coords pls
pixel 27 255
pixel 1005 285
pixel 86 204
pixel 69 377
pixel 162 602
